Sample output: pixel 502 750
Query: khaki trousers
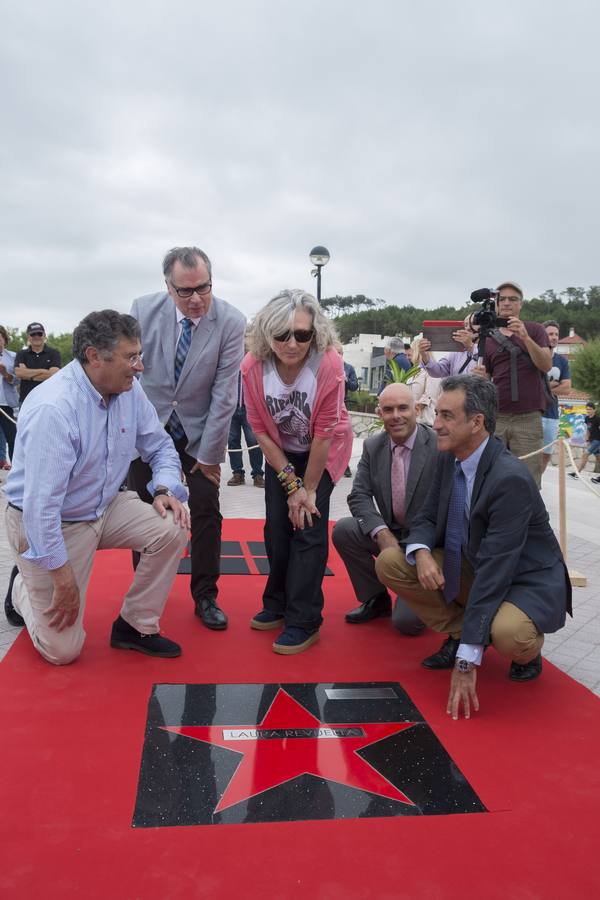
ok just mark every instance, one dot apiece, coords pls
pixel 513 633
pixel 127 523
pixel 522 433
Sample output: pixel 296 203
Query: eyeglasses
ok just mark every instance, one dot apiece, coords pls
pixel 186 293
pixel 135 360
pixel 300 335
pixel 36 334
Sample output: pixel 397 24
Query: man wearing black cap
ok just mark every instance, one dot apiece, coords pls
pixel 37 362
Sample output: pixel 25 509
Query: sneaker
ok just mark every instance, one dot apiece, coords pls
pixel 236 479
pixel 294 640
pixel 596 480
pixel 10 612
pixel 265 620
pixel 573 474
pixel 125 637
pixel 259 481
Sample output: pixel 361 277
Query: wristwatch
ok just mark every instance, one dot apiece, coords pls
pixel 162 492
pixel 462 665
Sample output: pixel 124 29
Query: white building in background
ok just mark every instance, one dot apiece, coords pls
pixel 365 353
pixel 568 346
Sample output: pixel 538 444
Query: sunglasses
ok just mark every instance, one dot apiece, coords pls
pixel 36 334
pixel 300 335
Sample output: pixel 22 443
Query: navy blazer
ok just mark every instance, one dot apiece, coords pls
pixel 513 550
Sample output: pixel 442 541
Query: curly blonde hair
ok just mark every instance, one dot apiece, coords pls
pixel 277 318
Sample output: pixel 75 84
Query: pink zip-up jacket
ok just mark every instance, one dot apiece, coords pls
pixel 329 417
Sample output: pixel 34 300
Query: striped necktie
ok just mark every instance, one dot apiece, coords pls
pixel 454 535
pixel 183 345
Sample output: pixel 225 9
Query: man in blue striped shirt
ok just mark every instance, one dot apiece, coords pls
pixel 76 437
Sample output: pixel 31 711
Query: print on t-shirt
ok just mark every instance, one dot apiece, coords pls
pixel 290 405
pixel 291 414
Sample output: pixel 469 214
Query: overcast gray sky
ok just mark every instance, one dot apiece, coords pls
pixel 433 147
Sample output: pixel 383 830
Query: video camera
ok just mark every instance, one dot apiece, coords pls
pixel 486 318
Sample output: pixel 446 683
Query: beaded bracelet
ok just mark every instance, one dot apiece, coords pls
pixel 288 469
pixel 292 486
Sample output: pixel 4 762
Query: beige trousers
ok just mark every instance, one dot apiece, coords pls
pixel 513 633
pixel 128 523
pixel 523 433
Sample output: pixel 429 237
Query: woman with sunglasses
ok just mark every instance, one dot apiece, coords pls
pixel 294 394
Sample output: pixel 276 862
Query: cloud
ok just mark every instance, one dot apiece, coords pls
pixel 433 148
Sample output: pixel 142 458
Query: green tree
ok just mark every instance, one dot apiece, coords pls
pixel 585 369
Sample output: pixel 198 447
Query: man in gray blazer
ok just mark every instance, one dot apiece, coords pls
pixel 378 520
pixel 193 345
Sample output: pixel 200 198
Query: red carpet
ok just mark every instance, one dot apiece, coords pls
pixel 72 741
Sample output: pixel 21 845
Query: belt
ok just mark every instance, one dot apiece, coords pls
pixel 13 506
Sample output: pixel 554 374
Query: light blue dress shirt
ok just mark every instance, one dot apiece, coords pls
pixel 72 454
pixel 471 652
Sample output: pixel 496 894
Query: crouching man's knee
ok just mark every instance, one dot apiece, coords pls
pixel 514 635
pixel 392 569
pixel 61 648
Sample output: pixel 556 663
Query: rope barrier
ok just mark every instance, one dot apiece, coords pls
pixel 566 444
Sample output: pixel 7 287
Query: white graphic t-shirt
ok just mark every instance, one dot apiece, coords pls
pixel 291 405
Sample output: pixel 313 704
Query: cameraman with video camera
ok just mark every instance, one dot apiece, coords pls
pixel 516 357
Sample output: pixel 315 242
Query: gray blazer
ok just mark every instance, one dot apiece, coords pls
pixel 206 394
pixel 373 481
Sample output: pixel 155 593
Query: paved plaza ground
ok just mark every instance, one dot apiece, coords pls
pixel 575 649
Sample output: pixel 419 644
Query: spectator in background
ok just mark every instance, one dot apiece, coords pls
pixel 517 358
pixel 395 350
pixel 458 363
pixel 350 385
pixel 559 382
pixel 8 399
pixel 592 421
pixel 37 362
pixel 424 387
pixel 239 423
pixel 294 388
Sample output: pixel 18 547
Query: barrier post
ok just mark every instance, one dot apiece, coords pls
pixel 562 496
pixel 577 579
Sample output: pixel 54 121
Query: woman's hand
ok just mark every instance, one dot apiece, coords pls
pixel 301 506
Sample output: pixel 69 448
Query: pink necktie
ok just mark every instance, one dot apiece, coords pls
pixel 398 482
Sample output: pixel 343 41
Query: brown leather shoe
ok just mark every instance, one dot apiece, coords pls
pixel 259 481
pixel 236 478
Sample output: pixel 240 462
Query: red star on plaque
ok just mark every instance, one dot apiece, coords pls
pixel 290 742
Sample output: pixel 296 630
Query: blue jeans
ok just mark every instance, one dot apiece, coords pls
pixel 239 423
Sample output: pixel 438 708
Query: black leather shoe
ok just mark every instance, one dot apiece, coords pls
pixel 211 614
pixel 125 637
pixel 10 612
pixel 445 656
pixel 377 606
pixel 526 672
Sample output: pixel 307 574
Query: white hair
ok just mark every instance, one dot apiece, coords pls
pixel 277 318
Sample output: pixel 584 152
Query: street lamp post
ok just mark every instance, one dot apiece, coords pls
pixel 319 257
